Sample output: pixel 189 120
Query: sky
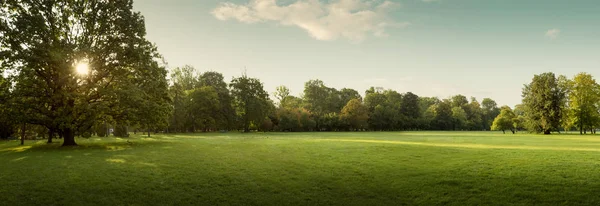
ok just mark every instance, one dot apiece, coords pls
pixel 478 48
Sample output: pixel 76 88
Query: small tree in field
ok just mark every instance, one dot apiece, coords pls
pixel 505 120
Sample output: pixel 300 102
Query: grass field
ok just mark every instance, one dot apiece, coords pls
pixel 395 168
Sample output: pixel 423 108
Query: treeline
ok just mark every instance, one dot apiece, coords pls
pixel 205 102
pixel 555 103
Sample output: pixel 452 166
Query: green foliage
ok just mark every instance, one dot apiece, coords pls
pixel 121 131
pixel 443 116
pixel 7 124
pixel 266 125
pixel 225 116
pixel 321 100
pixel 410 107
pixel 459 117
pixel 100 129
pixel 203 109
pixel 506 120
pixel 489 111
pixel 330 122
pixel 43 43
pixel 250 100
pixel 583 109
pixel 282 93
pixel 544 100
pixel 355 115
pixel 384 107
pixel 201 103
pixel 347 94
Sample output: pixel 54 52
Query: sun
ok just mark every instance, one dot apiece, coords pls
pixel 82 68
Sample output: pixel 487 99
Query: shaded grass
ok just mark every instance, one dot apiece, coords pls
pixel 378 168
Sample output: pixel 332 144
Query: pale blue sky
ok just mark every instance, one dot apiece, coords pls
pixel 481 48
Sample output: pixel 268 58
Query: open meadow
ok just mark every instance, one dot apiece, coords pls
pixel 362 168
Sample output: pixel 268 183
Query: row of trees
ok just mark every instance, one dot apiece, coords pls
pixel 205 102
pixel 552 103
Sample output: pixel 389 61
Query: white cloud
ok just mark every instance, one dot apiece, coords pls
pixel 553 33
pixel 429 0
pixel 349 19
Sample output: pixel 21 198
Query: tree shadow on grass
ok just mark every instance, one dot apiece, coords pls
pixel 110 146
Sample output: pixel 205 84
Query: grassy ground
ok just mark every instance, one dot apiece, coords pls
pixel 400 168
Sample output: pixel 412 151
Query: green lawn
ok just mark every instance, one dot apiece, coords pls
pixel 395 168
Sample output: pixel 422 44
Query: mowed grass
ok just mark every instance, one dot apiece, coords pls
pixel 363 168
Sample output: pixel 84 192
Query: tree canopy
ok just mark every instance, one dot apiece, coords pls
pixel 44 45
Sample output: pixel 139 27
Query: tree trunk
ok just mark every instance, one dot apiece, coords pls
pixel 547 131
pixel 23 133
pixel 50 135
pixel 148 131
pixel 503 132
pixel 513 131
pixel 69 138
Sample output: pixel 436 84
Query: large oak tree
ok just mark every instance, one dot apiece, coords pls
pixel 43 41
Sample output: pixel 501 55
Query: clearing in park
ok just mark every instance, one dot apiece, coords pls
pixel 363 168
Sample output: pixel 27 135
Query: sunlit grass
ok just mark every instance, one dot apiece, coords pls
pixel 362 168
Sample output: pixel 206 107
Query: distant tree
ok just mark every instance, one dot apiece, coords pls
pixel 316 95
pixel 355 115
pixel 250 100
pixel 426 102
pixel 427 106
pixel 372 99
pixel 266 125
pixel 474 115
pixel 584 96
pixel 544 102
pixel 384 108
pixel 347 94
pixel 288 119
pixel 306 122
pixel 443 119
pixel 183 81
pixel 459 101
pixel 330 122
pixel 321 100
pixel 382 118
pixel 204 108
pixel 281 93
pixel 459 118
pixel 291 102
pixel 225 116
pixel 148 103
pixel 505 120
pixel 489 111
pixel 410 106
pixel 520 122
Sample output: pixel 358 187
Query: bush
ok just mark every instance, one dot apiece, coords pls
pixel 100 129
pixel 121 131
